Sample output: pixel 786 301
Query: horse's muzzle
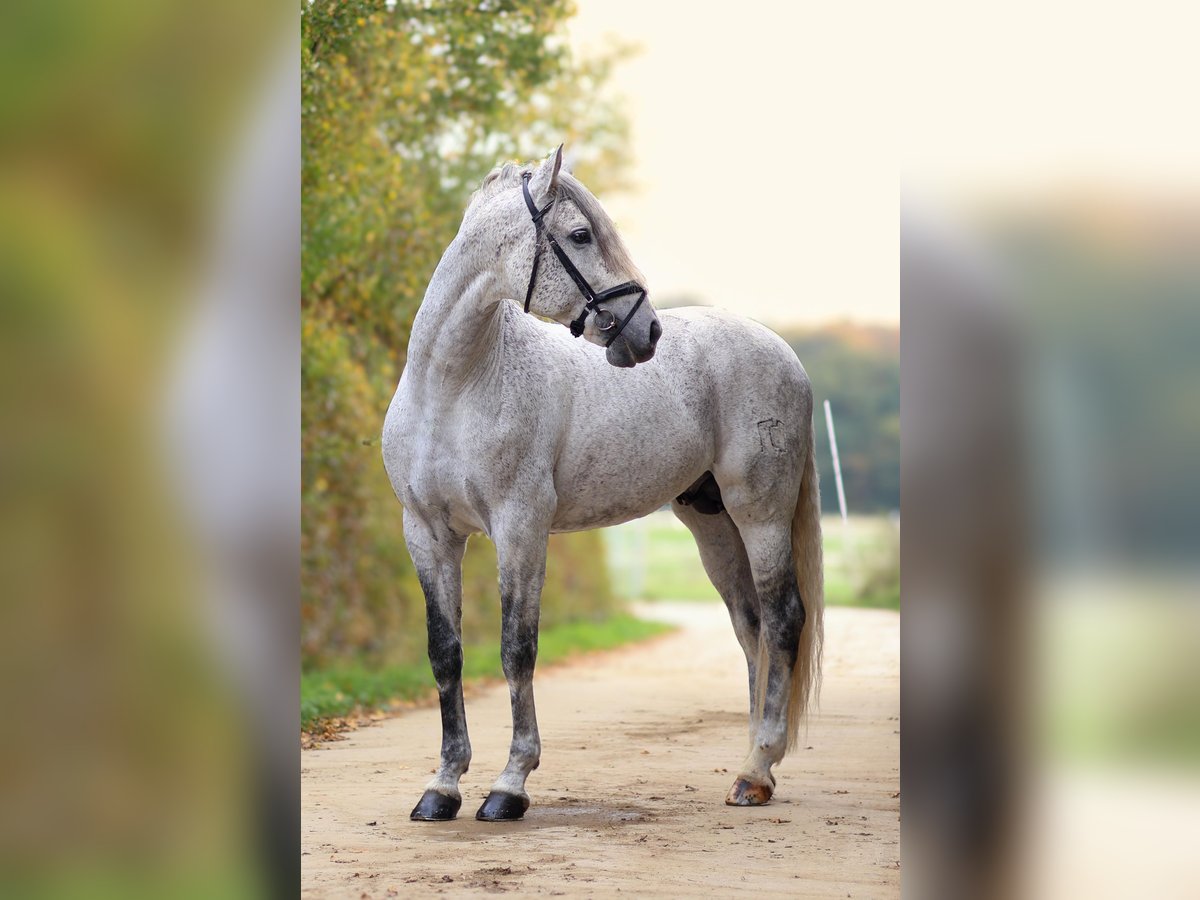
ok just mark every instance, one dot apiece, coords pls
pixel 632 347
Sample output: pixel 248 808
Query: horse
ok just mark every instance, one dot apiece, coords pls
pixel 504 424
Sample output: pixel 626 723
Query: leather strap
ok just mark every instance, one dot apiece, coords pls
pixel 593 299
pixel 537 215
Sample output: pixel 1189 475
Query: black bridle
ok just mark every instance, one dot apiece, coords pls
pixel 608 320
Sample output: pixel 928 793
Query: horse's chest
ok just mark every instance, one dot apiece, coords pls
pixel 445 459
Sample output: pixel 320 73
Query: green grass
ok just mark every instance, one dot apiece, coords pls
pixel 656 559
pixel 339 691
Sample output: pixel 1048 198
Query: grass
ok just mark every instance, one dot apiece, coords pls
pixel 339 691
pixel 655 558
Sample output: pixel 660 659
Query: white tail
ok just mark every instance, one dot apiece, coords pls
pixel 810 576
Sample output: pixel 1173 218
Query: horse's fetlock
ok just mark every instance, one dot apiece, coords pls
pixel 526 754
pixel 456 756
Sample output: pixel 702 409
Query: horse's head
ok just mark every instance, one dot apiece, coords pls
pixel 564 259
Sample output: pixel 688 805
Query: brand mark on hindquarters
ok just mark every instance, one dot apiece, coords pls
pixel 768 438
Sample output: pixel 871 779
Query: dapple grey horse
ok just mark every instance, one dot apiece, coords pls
pixel 504 424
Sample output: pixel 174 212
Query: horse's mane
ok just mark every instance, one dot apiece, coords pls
pixel 612 248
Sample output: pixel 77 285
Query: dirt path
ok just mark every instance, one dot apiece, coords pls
pixel 629 796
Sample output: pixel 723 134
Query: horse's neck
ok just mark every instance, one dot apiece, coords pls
pixel 457 336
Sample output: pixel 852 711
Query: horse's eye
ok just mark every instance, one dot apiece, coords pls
pixel 581 236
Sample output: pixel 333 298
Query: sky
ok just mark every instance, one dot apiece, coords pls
pixel 772 142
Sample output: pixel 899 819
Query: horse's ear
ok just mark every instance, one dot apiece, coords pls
pixel 545 180
pixel 556 167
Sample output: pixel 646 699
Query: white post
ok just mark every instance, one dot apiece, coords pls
pixel 837 465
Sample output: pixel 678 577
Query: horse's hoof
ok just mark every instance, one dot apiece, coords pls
pixel 435 807
pixel 748 793
pixel 501 807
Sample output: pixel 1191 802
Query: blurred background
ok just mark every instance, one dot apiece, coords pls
pixel 148 215
pixel 1050 284
pixel 752 158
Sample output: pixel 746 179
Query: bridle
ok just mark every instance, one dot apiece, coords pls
pixel 606 320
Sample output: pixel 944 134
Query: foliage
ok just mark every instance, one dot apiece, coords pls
pixel 856 368
pixel 406 106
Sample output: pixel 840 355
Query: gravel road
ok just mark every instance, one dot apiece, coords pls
pixel 639 747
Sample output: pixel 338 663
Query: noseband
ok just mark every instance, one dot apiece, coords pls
pixel 606 321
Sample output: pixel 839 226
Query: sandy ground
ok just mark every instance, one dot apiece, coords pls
pixel 639 746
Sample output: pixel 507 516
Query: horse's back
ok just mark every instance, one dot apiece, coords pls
pixel 740 358
pixel 731 344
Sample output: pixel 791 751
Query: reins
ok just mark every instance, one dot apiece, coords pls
pixel 609 321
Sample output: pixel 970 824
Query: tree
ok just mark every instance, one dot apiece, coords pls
pixel 406 106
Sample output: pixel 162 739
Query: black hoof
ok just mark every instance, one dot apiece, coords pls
pixel 435 807
pixel 500 807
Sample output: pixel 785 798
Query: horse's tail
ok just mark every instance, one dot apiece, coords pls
pixel 810 576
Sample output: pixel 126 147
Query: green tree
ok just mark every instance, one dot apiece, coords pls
pixel 856 368
pixel 406 106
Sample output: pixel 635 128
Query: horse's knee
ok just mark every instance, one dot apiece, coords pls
pixel 444 643
pixel 447 665
pixel 445 651
pixel 518 651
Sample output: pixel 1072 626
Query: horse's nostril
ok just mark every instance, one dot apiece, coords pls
pixel 655 332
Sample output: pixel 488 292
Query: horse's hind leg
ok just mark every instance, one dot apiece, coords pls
pixel 438 559
pixel 728 568
pixel 769 550
pixel 521 553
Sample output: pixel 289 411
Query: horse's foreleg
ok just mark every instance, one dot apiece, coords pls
pixel 522 561
pixel 782 617
pixel 439 568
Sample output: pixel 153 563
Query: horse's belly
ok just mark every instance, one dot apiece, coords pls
pixel 606 490
pixel 584 518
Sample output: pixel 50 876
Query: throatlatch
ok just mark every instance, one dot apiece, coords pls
pixel 606 320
